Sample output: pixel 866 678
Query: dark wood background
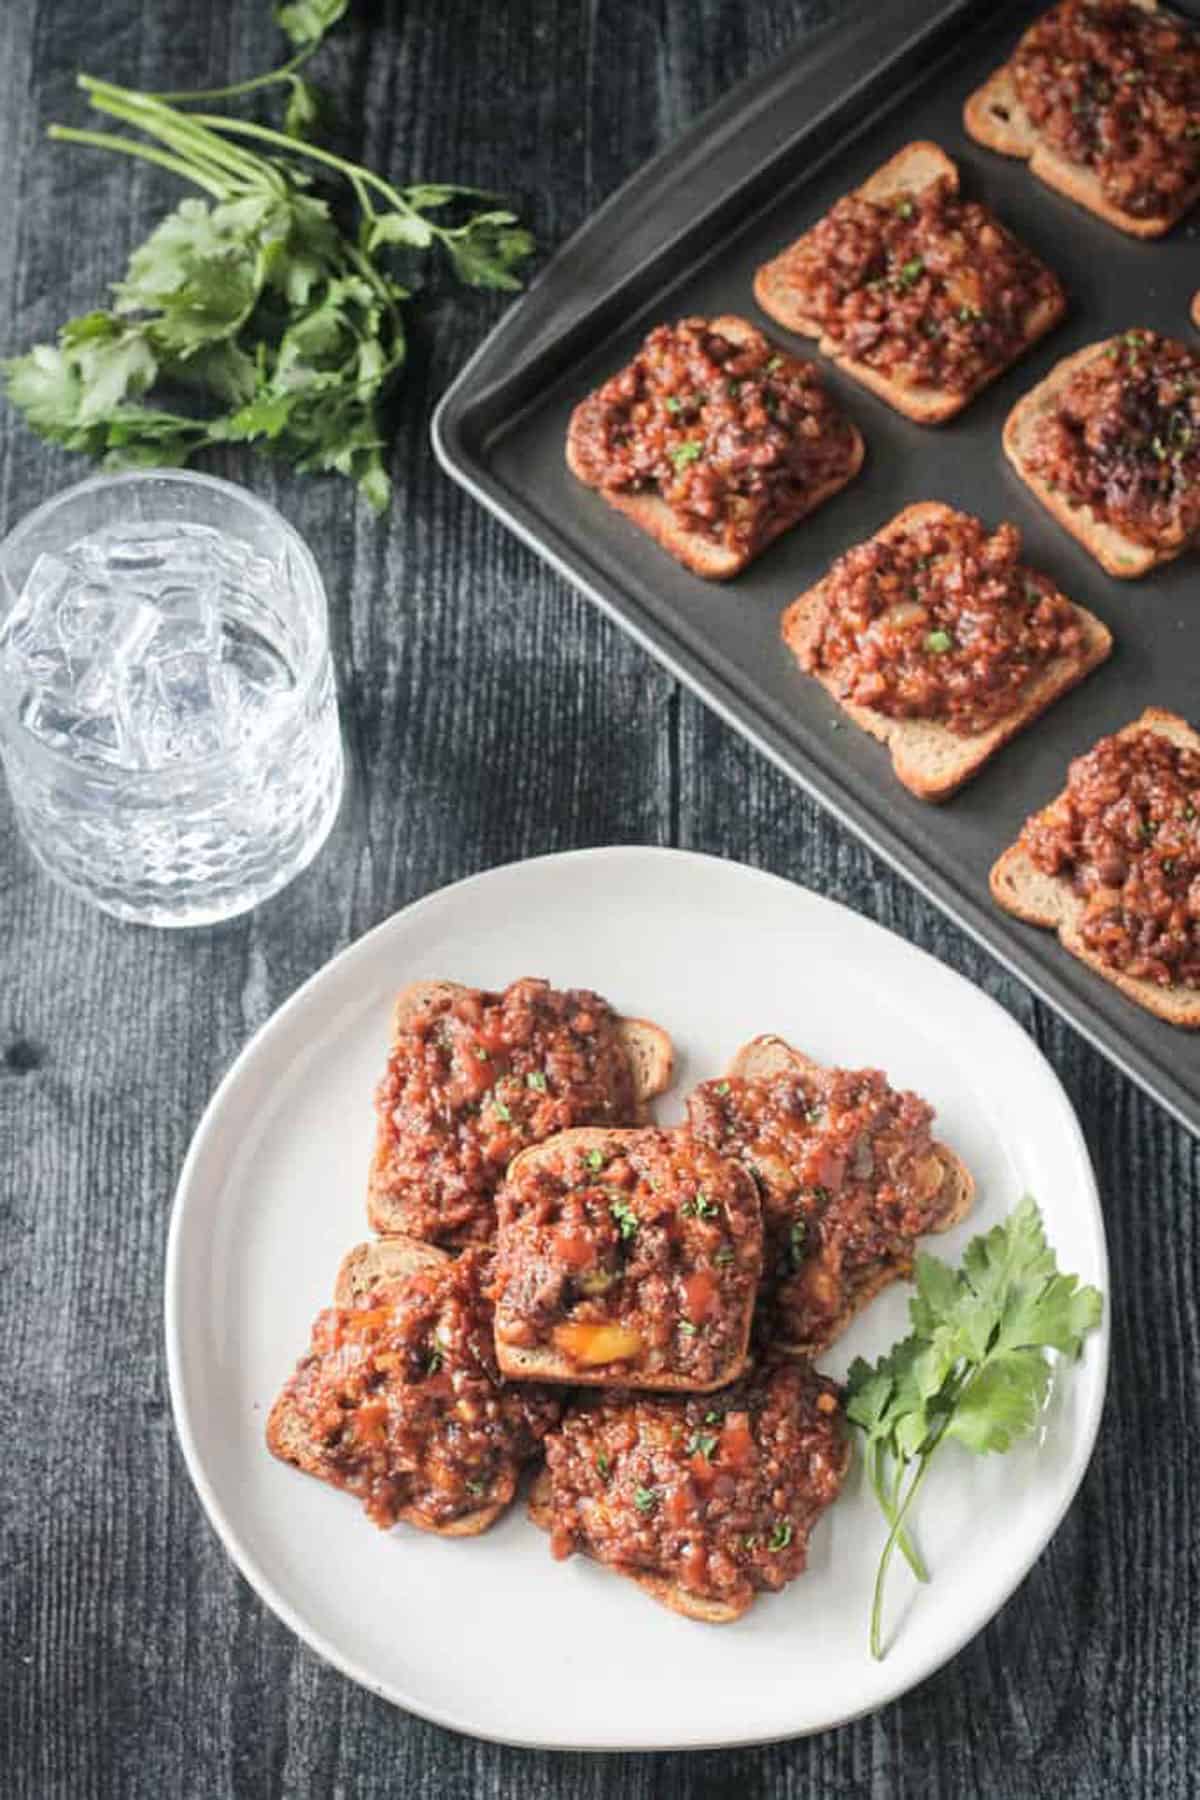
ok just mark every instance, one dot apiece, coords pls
pixel 490 715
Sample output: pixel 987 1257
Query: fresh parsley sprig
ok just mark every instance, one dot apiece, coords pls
pixel 974 1368
pixel 259 314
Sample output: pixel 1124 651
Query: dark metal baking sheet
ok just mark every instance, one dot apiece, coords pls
pixel 684 236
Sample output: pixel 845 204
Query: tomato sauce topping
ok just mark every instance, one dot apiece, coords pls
pixel 402 1394
pixel 942 621
pixel 730 435
pixel 1126 834
pixel 1124 439
pixel 927 288
pixel 1117 89
pixel 849 1179
pixel 477 1077
pixel 639 1260
pixel 717 1492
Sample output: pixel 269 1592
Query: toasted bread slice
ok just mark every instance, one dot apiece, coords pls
pixel 667 1593
pixel 548 1364
pixel 928 757
pixel 289 1435
pixel 1040 899
pixel 648 1047
pixel 765 1057
pixel 716 562
pixel 995 117
pixel 911 169
pixel 1116 553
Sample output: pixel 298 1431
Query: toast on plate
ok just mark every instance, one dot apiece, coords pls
pixel 821 1142
pixel 932 757
pixel 475 1077
pixel 626 1256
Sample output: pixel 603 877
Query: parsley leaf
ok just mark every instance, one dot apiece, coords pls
pixel 254 306
pixel 974 1367
pixel 645 1499
pixel 624 1218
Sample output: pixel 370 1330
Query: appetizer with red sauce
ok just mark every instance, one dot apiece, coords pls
pixel 850 1177
pixel 1102 98
pixel 713 441
pixel 705 1502
pixel 936 638
pixel 920 295
pixel 626 1256
pixel 1110 444
pixel 398 1400
pixel 1113 864
pixel 473 1078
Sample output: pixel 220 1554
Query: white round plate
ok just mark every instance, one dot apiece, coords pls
pixel 488 1634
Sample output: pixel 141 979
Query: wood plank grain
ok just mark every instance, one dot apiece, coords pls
pixel 489 715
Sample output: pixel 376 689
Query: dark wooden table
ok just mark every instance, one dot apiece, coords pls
pixel 490 715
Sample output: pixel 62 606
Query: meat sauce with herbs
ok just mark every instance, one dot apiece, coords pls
pixel 479 1077
pixel 1117 90
pixel 402 1396
pixel 716 1492
pixel 929 289
pixel 1124 439
pixel 642 1260
pixel 942 621
pixel 732 436
pixel 849 1179
pixel 1126 834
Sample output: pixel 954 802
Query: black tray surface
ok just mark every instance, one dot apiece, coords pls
pixel 685 236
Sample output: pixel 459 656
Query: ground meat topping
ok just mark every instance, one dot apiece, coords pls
pixel 642 1259
pixel 849 1179
pixel 1126 834
pixel 929 289
pixel 1117 90
pixel 718 1492
pixel 729 435
pixel 941 621
pixel 477 1077
pixel 402 1393
pixel 1124 439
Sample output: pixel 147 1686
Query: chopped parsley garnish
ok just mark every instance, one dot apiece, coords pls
pixel 905 208
pixel 938 642
pixel 713 1418
pixel 775 362
pixel 536 1080
pixel 672 403
pixel 750 1540
pixel 687 1328
pixel 781 1537
pixel 723 1256
pixel 702 1443
pixel 594 1159
pixel 1148 830
pixel 689 451
pixel 603 1466
pixel 476 1486
pixel 912 270
pixel 501 1111
pixel 797 1241
pixel 483 1054
pixel 433 1362
pixel 645 1499
pixel 624 1218
pixel 722 1087
pixel 700 1208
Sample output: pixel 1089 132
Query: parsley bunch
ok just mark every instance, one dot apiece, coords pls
pixel 974 1368
pixel 259 314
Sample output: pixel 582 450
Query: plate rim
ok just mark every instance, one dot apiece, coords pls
pixel 266 1590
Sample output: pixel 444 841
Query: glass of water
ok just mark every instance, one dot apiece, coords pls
pixel 168 717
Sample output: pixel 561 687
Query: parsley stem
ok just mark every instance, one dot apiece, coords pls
pixel 109 140
pixel 892 1540
pixel 183 96
pixel 183 134
pixel 887 1506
